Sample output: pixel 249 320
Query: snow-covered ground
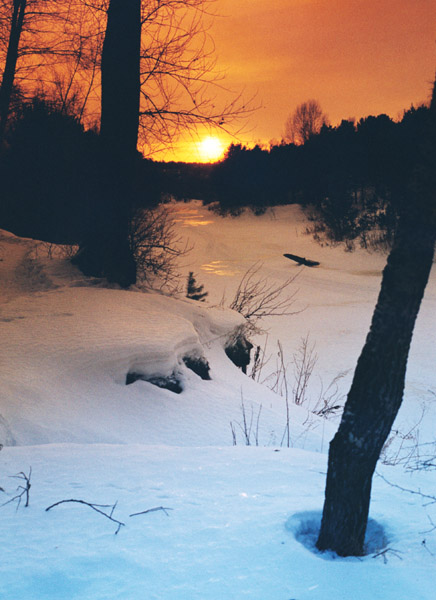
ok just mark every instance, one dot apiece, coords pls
pixel 238 521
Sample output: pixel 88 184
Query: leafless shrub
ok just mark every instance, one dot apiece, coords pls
pixel 277 379
pixel 248 427
pixel 63 251
pixel 330 400
pixel 156 247
pixel 278 383
pixel 404 448
pixel 304 360
pixel 328 404
pixel 257 363
pixel 423 457
pixel 260 361
pixel 302 365
pixel 287 433
pixel 23 491
pixel 256 298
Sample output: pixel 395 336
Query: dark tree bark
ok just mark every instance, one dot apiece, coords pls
pixel 120 79
pixel 378 384
pixel 17 19
pixel 376 392
pixel 106 250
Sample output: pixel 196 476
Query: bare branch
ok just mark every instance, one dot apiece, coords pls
pixel 383 554
pixel 95 507
pixel 415 492
pixel 156 247
pixel 256 298
pixel 165 509
pixel 25 489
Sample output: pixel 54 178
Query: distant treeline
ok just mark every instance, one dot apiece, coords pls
pixel 49 172
pixel 343 159
pixel 355 174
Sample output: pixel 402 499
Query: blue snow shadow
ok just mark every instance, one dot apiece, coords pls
pixel 305 527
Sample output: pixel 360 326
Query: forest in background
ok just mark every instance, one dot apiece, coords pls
pixel 50 174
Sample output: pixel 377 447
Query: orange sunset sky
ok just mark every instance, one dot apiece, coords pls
pixel 356 57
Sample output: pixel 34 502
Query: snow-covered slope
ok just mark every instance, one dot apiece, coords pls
pixel 238 521
pixel 69 344
pixel 336 299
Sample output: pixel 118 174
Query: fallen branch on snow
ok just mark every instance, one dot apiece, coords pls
pixel 165 509
pixel 95 507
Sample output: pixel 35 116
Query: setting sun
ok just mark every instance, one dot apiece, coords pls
pixel 210 149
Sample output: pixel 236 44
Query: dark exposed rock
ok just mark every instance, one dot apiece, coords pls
pixel 238 349
pixel 171 382
pixel 199 365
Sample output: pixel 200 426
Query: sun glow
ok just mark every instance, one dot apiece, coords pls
pixel 210 149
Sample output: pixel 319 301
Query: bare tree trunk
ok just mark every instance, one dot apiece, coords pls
pixel 17 19
pixel 376 392
pixel 106 250
pixel 120 80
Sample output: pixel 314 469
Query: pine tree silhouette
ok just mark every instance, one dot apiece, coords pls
pixel 194 291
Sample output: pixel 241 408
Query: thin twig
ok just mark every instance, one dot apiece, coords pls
pixel 384 552
pixel 95 507
pixel 25 489
pixel 415 492
pixel 165 509
pixel 424 544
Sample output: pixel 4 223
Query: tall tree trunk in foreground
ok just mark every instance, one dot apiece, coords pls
pixel 17 19
pixel 377 389
pixel 120 79
pixel 376 392
pixel 106 250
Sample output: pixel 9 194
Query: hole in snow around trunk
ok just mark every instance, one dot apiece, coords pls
pixel 305 528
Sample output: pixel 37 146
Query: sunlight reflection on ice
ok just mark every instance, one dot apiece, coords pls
pixel 220 267
pixel 192 219
pixel 189 217
pixel 194 222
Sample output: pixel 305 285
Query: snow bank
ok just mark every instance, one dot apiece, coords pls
pixel 70 344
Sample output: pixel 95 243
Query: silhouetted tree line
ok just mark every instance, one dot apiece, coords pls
pixel 48 173
pixel 51 174
pixel 349 173
pixel 347 176
pixel 184 181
